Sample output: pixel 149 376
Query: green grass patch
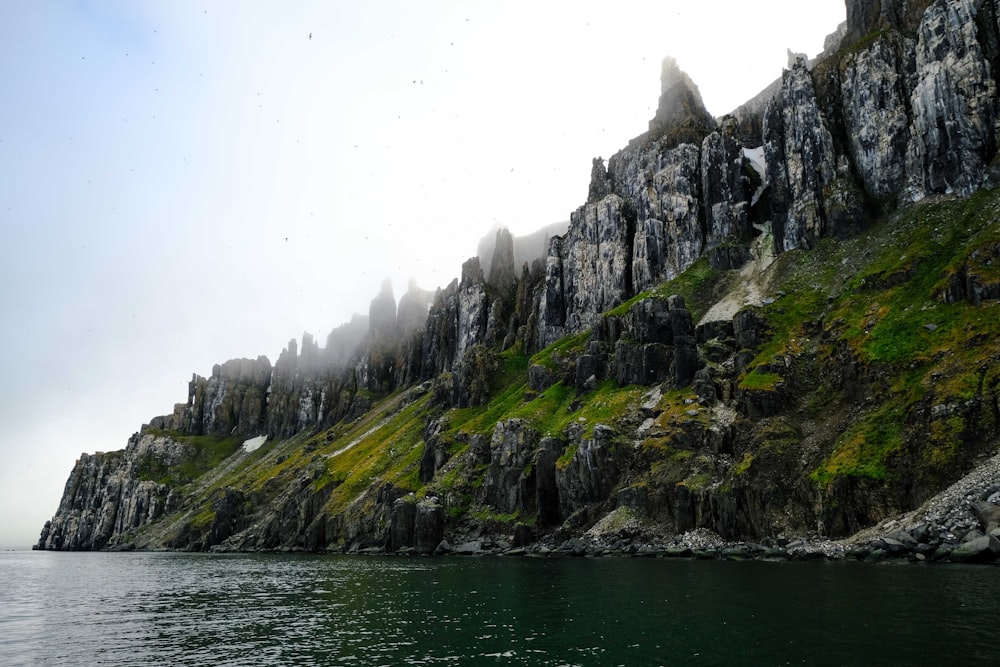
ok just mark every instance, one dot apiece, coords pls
pixel 698 481
pixel 895 314
pixel 945 443
pixel 570 346
pixel 743 466
pixel 757 381
pixel 202 453
pixel 675 406
pixel 864 449
pixel 699 285
pixel 491 516
pixel 551 411
pixel 567 456
pixel 203 519
pixel 388 450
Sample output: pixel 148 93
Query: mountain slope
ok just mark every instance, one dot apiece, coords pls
pixel 805 351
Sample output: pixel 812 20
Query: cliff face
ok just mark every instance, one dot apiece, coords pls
pixel 540 397
pixel 108 495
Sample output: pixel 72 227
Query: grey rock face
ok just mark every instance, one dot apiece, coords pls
pixel 953 103
pixel 439 340
pixel 428 526
pixel 233 399
pixel 401 523
pixel 509 484
pixel 471 376
pixel 551 318
pixel 107 494
pixel 591 473
pixel 725 187
pixel 680 111
pixel 411 313
pixel 457 321
pixel 865 17
pixel 875 86
pixel 589 371
pixel 645 364
pixel 472 308
pixel 587 272
pixel 660 182
pixel 685 349
pixel 597 261
pixel 749 328
pixel 503 274
pixel 546 489
pixel 600 186
pixel 668 237
pixel 800 161
pixel 653 342
pixel 435 452
pixel 540 378
pixel 382 313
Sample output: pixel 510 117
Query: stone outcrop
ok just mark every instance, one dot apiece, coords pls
pixel 652 342
pixel 509 485
pixel 592 471
pixel 800 161
pixel 680 113
pixel 411 313
pixel 668 236
pixel 875 85
pixel 600 186
pixel 233 399
pixel 382 313
pixel 953 101
pixel 503 274
pixel 472 308
pixel 416 526
pixel 108 495
pixel 726 188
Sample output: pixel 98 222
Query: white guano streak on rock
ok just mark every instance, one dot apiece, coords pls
pixel 357 440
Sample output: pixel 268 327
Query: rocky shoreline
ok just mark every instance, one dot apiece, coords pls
pixel 705 545
pixel 959 525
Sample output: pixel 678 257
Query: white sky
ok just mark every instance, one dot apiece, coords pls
pixel 187 181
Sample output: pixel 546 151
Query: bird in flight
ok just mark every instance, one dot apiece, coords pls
pixel 310 35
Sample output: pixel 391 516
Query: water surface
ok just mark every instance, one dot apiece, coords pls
pixel 199 609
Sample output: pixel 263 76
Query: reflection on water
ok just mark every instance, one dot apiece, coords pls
pixel 197 609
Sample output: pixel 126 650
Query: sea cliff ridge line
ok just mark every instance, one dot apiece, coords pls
pixel 758 334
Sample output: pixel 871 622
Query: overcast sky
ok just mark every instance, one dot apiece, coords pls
pixel 187 181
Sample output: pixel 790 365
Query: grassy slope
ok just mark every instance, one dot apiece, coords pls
pixel 874 298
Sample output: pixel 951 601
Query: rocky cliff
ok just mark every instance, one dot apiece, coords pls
pixel 775 324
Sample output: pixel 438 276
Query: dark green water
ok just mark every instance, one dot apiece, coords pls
pixel 188 609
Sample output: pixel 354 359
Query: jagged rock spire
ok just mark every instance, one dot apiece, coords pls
pixel 382 312
pixel 503 276
pixel 411 314
pixel 600 186
pixel 680 110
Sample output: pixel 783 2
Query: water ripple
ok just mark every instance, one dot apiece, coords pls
pixel 196 609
